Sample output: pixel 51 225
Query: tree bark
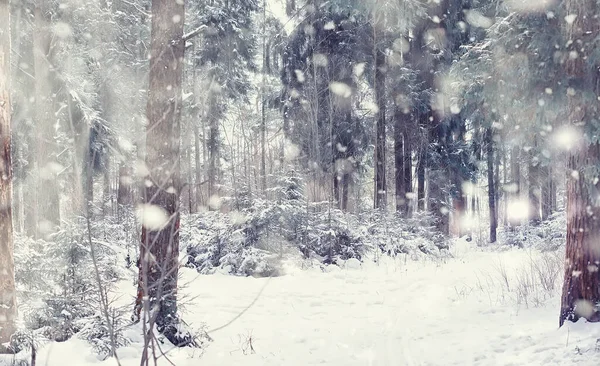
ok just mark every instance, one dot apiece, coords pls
pixel 581 287
pixel 408 172
pixel 534 186
pixel 491 184
pixel 8 298
pixel 198 171
pixel 213 144
pixel 380 194
pixel 515 173
pixel 124 191
pixel 263 111
pixel 401 200
pixel 546 192
pixel 159 247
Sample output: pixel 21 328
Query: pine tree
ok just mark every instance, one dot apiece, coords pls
pixel 319 86
pixel 225 54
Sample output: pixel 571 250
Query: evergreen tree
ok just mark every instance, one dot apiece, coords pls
pixel 319 77
pixel 225 56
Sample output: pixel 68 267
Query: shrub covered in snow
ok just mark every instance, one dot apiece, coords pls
pixel 549 235
pixel 57 281
pixel 253 239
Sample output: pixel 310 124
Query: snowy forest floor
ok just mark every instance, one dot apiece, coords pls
pixel 481 307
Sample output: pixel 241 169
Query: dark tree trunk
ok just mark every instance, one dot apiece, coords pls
pixel 198 171
pixel 8 298
pixel 491 184
pixel 159 247
pixel 408 172
pixel 437 179
pixel 534 186
pixel 106 189
pixel 546 192
pixel 515 173
pixel 421 178
pixel 263 110
pixel 399 168
pixel 380 194
pixel 345 187
pixel 213 146
pixel 124 191
pixel 581 288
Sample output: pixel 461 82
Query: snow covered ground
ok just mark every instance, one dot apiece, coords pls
pixel 479 308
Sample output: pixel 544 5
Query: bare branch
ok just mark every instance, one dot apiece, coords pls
pixel 194 33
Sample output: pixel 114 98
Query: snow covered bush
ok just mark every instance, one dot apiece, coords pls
pixel 549 235
pixel 395 235
pixel 57 281
pixel 253 240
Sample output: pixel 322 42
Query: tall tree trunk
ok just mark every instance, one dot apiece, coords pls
pixel 534 186
pixel 263 111
pixel 515 173
pixel 47 215
pixel 504 184
pixel 213 145
pixel 546 192
pixel 124 191
pixel 421 178
pixel 198 167
pixel 106 188
pixel 581 288
pixel 408 171
pixel 437 198
pixel 491 184
pixel 345 185
pixel 159 247
pixel 190 169
pixel 399 168
pixel 8 293
pixel 380 194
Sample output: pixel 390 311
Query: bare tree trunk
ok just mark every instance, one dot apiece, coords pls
pixel 124 191
pixel 408 172
pixel 263 116
pixel 198 171
pixel 380 194
pixel 581 287
pixel 534 187
pixel 106 188
pixel 546 192
pixel 47 217
pixel 213 145
pixel 515 173
pixel 159 247
pixel 423 121
pixel 190 169
pixel 8 293
pixel 345 180
pixel 491 184
pixel 504 184
pixel 399 168
pixel 421 177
